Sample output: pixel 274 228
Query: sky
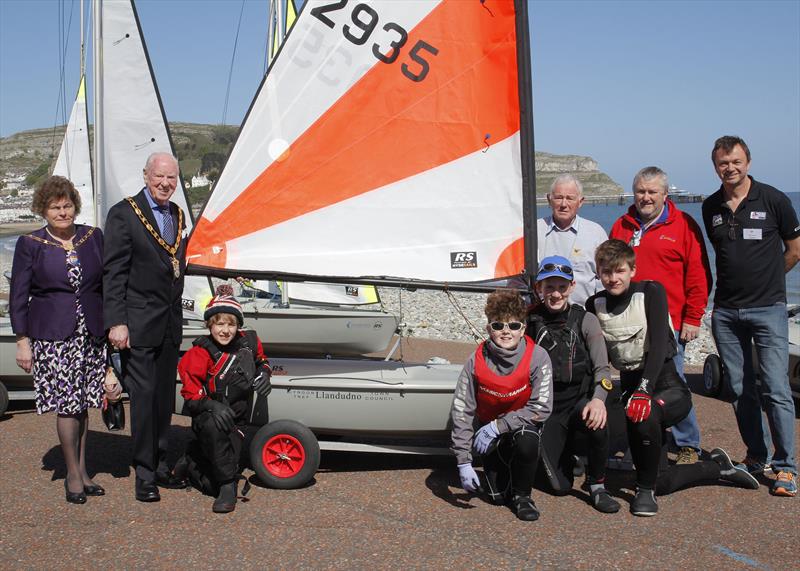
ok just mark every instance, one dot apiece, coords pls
pixel 631 83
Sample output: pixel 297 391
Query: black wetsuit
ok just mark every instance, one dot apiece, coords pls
pixel 577 350
pixel 671 400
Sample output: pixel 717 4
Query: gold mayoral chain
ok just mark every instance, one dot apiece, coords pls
pixel 171 250
pixel 66 247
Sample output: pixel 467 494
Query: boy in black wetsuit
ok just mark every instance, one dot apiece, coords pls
pixel 581 382
pixel 641 344
pixel 219 375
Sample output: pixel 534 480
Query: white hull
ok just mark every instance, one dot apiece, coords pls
pixel 363 397
pixel 317 332
pixel 312 332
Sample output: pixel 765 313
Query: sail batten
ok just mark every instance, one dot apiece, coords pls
pixel 405 165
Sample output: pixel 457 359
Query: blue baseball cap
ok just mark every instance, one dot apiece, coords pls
pixel 555 267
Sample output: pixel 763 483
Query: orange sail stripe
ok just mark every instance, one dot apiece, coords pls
pixel 511 260
pixel 386 127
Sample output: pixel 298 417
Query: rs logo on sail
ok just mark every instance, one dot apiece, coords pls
pixel 463 260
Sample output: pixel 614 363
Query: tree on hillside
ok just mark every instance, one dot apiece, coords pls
pixel 212 160
pixel 223 135
pixel 38 174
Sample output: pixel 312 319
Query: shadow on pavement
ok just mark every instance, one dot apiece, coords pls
pixel 110 452
pixel 439 482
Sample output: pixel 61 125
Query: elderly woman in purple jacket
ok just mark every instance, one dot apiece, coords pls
pixel 56 314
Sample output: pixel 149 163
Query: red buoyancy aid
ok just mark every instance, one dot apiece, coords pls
pixel 498 394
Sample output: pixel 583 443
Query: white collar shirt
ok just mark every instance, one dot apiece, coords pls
pixel 578 244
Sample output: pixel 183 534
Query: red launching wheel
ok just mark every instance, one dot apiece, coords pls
pixel 285 454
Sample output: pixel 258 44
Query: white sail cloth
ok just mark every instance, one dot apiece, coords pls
pixel 348 166
pixel 133 125
pixel 74 159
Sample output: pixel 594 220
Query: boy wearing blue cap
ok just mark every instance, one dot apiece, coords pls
pixel 581 382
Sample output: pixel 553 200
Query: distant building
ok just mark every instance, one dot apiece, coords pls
pixel 200 180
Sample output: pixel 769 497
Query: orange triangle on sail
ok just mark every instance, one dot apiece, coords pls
pixel 511 260
pixel 387 128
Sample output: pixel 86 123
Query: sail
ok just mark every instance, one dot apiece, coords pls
pixel 133 124
pixel 384 144
pixel 74 158
pixel 282 15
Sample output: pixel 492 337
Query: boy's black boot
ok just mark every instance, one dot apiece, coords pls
pixel 226 499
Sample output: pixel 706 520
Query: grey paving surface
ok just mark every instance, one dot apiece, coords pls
pixel 370 511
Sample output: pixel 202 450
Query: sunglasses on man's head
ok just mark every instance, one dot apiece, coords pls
pixel 553 267
pixel 512 325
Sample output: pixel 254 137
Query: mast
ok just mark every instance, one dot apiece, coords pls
pixel 526 142
pixel 97 90
pixel 83 47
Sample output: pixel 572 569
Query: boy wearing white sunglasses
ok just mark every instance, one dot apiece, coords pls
pixel 505 392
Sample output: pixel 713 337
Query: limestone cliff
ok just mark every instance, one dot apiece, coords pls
pixel 585 169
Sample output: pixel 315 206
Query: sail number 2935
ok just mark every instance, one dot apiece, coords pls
pixel 364 20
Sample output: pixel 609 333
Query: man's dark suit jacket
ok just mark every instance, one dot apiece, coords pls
pixel 139 287
pixel 42 301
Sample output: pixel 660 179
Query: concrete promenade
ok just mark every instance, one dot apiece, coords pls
pixel 370 511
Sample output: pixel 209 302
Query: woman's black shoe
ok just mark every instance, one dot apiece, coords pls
pixel 74 497
pixel 94 490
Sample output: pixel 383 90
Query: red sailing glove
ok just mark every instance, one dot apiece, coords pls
pixel 638 408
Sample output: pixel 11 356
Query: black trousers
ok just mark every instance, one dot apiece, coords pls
pixel 511 465
pixel 671 403
pixel 559 433
pixel 149 378
pixel 221 450
pixel 674 477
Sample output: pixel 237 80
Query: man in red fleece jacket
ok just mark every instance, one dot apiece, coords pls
pixel 670 249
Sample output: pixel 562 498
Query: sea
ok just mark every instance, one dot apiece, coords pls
pixel 603 214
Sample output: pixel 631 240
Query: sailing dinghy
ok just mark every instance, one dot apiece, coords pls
pixel 408 122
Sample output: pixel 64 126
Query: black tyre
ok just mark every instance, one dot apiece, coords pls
pixel 3 399
pixel 285 454
pixel 712 375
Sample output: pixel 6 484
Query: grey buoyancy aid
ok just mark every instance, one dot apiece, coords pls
pixel 563 341
pixel 625 333
pixel 231 377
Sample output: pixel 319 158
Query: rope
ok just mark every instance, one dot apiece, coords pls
pixel 476 333
pixel 230 70
pixel 63 44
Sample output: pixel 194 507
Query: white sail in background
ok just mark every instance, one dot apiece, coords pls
pixel 384 143
pixel 282 15
pixel 133 124
pixel 74 158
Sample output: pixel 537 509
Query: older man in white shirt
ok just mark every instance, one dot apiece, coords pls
pixel 564 233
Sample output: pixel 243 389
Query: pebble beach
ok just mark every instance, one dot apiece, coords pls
pixel 455 317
